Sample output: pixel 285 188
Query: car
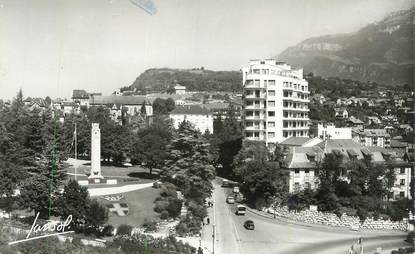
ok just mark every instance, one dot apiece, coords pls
pixel 249 224
pixel 240 210
pixel 230 200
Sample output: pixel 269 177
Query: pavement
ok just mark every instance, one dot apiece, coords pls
pixel 279 236
pixel 117 190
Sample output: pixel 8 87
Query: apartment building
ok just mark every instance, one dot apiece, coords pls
pixel 372 137
pixel 275 102
pixel 200 117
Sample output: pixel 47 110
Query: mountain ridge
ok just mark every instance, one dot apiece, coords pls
pixel 382 52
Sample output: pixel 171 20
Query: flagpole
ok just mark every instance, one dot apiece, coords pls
pixel 76 154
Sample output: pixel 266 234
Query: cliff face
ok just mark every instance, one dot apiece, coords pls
pixel 382 52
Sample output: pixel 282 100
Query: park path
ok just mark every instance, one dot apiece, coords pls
pixel 117 190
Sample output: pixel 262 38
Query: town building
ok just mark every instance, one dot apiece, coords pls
pixel 275 102
pixel 80 97
pixel 131 104
pixel 200 117
pixel 372 137
pixel 332 132
pixel 302 163
pixel 178 89
pixel 341 113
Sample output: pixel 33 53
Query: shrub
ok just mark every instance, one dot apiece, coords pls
pixel 190 225
pixel 161 206
pixel 108 230
pixel 197 210
pixel 164 215
pixel 174 207
pixel 156 185
pixel 168 190
pixel 150 226
pixel 124 229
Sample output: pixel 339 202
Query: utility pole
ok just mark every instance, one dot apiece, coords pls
pixel 76 153
pixel 213 239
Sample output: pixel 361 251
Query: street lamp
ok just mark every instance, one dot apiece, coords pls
pixel 213 239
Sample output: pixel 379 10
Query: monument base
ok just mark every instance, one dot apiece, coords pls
pixel 96 181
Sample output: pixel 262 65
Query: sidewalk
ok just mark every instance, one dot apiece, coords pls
pixel 117 190
pixel 207 232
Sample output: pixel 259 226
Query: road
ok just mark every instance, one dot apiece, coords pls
pixel 274 236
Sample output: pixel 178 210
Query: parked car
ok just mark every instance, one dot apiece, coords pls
pixel 230 200
pixel 249 224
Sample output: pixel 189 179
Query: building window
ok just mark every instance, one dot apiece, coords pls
pixel 296 187
pixel 296 171
pixel 256 134
pixel 271 124
pixel 271 113
pixel 271 93
pixel 271 103
pixel 248 134
pixel 307 185
pixel 402 171
pixel 271 134
pixel 271 82
pixel 256 71
pixel 256 82
pixel 285 134
pixel 249 124
pixel 285 114
pixel 402 182
pixel 285 124
pixel 402 194
pixel 307 171
pixel 249 103
pixel 249 113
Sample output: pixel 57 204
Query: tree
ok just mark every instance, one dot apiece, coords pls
pixel 96 215
pixel 262 180
pixel 189 163
pixel 279 154
pixel 38 194
pixel 74 201
pixel 150 149
pixel 163 106
pixel 250 151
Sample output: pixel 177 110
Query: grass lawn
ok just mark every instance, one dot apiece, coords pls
pixel 140 203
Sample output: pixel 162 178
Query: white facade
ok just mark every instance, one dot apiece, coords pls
pixel 301 179
pixel 201 122
pixel 401 188
pixel 331 132
pixel 275 102
pixel 201 118
pixel 180 89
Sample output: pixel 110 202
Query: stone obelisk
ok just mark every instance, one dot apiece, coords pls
pixel 96 154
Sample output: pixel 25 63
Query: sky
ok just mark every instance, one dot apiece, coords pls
pixel 50 47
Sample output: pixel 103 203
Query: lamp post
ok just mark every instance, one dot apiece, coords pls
pixel 213 239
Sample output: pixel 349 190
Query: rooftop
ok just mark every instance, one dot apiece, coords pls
pixel 120 100
pixel 190 110
pixel 295 141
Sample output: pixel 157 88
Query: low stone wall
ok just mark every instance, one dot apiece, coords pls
pixel 331 219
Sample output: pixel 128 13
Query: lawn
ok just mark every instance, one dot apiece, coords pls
pixel 140 203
